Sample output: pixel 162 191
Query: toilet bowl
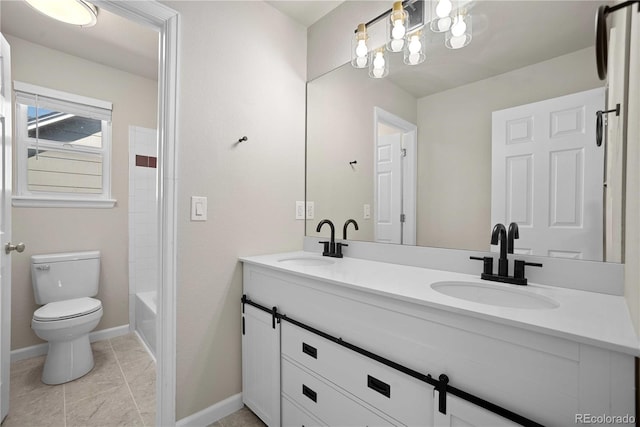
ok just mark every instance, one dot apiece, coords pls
pixel 66 326
pixel 65 283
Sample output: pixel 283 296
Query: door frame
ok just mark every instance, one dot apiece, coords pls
pixel 409 171
pixel 165 20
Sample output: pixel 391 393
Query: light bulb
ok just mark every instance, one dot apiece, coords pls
pixel 443 8
pixel 378 72
pixel 378 61
pixel 397 45
pixel 361 49
pixel 399 30
pixel 459 27
pixel 414 58
pixel 457 42
pixel 415 45
pixel 361 61
pixel 444 23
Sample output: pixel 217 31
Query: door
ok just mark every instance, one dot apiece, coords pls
pixel 388 180
pixel 547 175
pixel 395 179
pixel 463 413
pixel 261 364
pixel 5 225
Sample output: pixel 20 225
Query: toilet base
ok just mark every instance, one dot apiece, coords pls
pixel 67 360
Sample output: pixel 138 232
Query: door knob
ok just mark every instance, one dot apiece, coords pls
pixel 9 247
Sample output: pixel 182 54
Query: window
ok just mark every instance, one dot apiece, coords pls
pixel 63 147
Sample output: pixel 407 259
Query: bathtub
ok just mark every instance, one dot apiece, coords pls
pixel 146 318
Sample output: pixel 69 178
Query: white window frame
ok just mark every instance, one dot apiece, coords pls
pixel 83 106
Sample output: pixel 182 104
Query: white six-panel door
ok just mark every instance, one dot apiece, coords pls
pixel 388 185
pixel 547 175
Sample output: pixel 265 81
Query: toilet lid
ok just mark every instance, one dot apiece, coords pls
pixel 67 309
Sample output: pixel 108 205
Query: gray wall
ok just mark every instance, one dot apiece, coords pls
pixel 242 72
pixel 46 230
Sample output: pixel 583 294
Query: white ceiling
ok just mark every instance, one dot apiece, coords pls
pixel 305 12
pixel 113 41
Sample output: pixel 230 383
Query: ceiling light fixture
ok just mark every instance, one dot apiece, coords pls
pixel 406 32
pixel 74 12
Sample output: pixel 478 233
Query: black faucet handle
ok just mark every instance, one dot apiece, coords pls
pixel 339 247
pixel 518 267
pixel 487 263
pixel 325 250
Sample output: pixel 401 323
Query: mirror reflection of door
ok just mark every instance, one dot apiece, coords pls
pixel 548 174
pixel 394 179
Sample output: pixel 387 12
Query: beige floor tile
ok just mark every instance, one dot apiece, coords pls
pixel 50 399
pixel 28 381
pixel 216 424
pixel 39 418
pixel 26 364
pixel 140 374
pixel 105 376
pixel 111 408
pixel 149 418
pixel 128 348
pixel 242 418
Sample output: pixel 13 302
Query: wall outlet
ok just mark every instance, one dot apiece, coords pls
pixel 366 211
pixel 300 209
pixel 310 210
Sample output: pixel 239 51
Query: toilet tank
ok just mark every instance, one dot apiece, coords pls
pixel 57 277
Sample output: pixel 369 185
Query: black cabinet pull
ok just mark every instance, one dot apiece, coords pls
pixel 379 386
pixel 309 393
pixel 310 350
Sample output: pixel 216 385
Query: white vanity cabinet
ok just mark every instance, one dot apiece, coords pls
pixel 261 364
pixel 545 378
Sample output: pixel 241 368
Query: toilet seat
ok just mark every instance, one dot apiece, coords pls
pixel 67 309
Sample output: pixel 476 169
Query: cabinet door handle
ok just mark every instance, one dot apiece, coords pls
pixel 309 393
pixel 379 386
pixel 310 350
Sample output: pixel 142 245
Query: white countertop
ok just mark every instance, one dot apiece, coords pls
pixel 587 317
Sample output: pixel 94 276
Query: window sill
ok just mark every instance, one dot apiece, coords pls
pixel 60 202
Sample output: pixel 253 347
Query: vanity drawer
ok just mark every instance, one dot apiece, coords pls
pixel 323 401
pixel 402 397
pixel 294 416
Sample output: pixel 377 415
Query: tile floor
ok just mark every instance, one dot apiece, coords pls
pixel 242 418
pixel 119 391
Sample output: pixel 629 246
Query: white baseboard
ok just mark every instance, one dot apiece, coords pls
pixel 41 349
pixel 213 413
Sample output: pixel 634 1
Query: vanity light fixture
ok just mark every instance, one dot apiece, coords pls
pixel 459 35
pixel 359 48
pixel 379 64
pixel 74 12
pixel 397 26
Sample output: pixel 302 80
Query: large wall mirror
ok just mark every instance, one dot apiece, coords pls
pixel 502 130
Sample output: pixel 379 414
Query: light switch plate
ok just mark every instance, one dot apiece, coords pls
pixel 300 209
pixel 198 208
pixel 310 210
pixel 367 211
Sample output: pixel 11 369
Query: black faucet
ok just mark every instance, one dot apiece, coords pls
pixel 500 236
pixel 499 232
pixel 329 247
pixel 346 224
pixel 513 234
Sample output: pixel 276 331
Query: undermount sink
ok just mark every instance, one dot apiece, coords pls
pixel 307 261
pixel 494 295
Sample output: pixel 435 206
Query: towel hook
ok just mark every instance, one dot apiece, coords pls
pixel 244 138
pixel 599 114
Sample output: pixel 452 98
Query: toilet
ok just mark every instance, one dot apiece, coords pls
pixel 65 283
